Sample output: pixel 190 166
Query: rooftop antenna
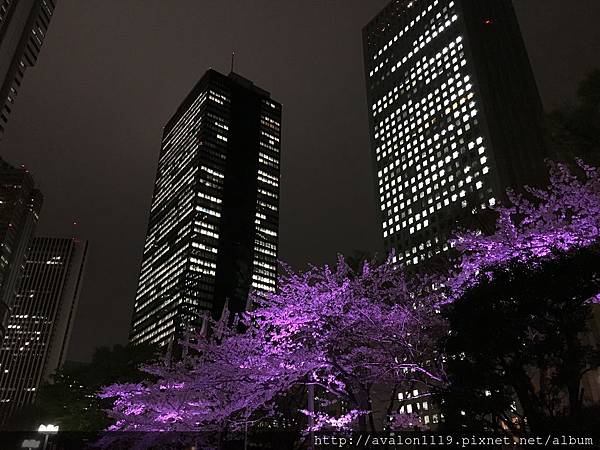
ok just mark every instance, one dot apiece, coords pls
pixel 232 60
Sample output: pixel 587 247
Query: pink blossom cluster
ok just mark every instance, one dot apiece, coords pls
pixel 332 328
pixel 344 331
pixel 562 217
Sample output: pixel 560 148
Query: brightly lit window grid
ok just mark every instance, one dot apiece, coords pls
pixel 456 99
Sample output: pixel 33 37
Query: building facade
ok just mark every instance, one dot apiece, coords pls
pixel 20 205
pixel 455 117
pixel 41 320
pixel 23 27
pixel 213 227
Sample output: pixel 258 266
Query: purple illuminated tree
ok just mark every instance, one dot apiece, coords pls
pixel 345 332
pixel 518 307
pixel 358 329
pixel 220 383
pixel 340 331
pixel 562 217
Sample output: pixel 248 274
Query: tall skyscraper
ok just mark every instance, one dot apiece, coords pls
pixel 212 233
pixel 23 26
pixel 455 116
pixel 41 321
pixel 20 205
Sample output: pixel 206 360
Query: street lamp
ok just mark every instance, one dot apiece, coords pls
pixel 47 430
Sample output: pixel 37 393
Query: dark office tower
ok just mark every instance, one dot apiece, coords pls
pixel 41 321
pixel 20 205
pixel 212 234
pixel 455 116
pixel 23 26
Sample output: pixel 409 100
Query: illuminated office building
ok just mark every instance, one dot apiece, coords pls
pixel 455 117
pixel 212 233
pixel 20 205
pixel 23 27
pixel 40 324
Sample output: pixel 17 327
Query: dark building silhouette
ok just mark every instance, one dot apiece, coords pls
pixel 23 27
pixel 455 117
pixel 40 324
pixel 20 205
pixel 212 233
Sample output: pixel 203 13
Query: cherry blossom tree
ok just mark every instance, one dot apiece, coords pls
pixel 562 217
pixel 220 384
pixel 518 305
pixel 344 332
pixel 361 329
pixel 339 331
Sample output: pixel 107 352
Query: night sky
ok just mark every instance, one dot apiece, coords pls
pixel 88 119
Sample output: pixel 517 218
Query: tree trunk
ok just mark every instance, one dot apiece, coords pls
pixel 311 409
pixel 364 404
pixel 521 383
pixel 390 408
pixel 371 418
pixel 574 377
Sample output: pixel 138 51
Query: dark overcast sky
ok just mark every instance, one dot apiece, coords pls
pixel 88 119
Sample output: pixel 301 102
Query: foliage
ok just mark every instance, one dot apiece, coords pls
pixel 562 217
pixel 70 399
pixel 516 336
pixel 517 303
pixel 336 329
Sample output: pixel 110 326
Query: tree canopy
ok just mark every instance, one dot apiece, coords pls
pixel 501 329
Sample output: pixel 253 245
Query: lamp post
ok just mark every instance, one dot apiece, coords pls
pixel 47 430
